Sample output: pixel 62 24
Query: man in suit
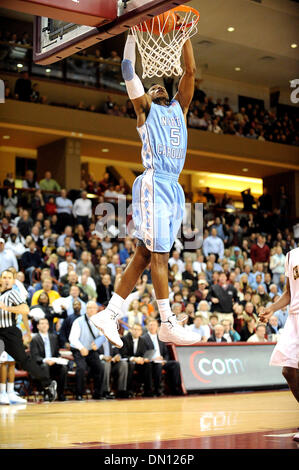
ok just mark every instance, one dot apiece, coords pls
pixel 217 335
pixel 114 367
pixel 134 349
pixel 85 340
pixel 161 361
pixel 66 326
pixel 43 348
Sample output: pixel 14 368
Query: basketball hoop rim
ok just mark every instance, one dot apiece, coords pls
pixel 186 9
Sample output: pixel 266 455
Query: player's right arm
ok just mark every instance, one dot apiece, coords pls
pixel 140 100
pixel 282 302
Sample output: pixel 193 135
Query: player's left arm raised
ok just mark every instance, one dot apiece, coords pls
pixel 185 91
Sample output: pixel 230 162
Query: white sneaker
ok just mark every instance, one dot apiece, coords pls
pixel 4 400
pixel 296 437
pixel 106 322
pixel 15 399
pixel 172 332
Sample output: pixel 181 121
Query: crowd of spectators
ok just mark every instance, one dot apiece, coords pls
pixel 205 112
pixel 65 271
pixel 250 121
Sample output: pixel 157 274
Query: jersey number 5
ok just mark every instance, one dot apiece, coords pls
pixel 175 137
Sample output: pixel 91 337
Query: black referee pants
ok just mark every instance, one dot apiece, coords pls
pixel 13 342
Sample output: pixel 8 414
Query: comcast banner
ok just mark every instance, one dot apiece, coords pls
pixel 227 366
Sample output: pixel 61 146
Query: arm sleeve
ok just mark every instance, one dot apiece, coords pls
pixel 133 83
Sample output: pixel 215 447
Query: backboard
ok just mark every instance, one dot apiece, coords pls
pixel 55 39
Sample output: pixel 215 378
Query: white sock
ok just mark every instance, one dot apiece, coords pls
pixel 10 387
pixel 164 309
pixel 2 388
pixel 116 303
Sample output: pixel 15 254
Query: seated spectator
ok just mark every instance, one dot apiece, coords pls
pixel 64 331
pixel 90 280
pixel 198 327
pixel 29 182
pixel 277 264
pixel 134 314
pixel 80 238
pixel 46 287
pixel 203 308
pixel 66 266
pixel 272 329
pixel 43 309
pixel 217 335
pixel 75 293
pixel 10 202
pixel 258 282
pixel 264 297
pixel 15 243
pixel 50 207
pixel 114 368
pixel 126 252
pixel 259 336
pixel 282 316
pixel 134 349
pixel 87 289
pixel 161 361
pixel 198 265
pixel 68 233
pixel 25 224
pixel 202 291
pixel 248 329
pixel 189 276
pixel 229 333
pixel 44 350
pixel 249 312
pixel 85 262
pixel 104 290
pixel 31 260
pixel 85 340
pixel 7 257
pixel 9 182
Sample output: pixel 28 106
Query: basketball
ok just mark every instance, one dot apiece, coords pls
pixel 163 23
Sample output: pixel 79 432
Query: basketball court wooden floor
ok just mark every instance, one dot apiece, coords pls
pixel 258 420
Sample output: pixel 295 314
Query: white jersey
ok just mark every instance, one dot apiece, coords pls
pixel 286 351
pixel 292 272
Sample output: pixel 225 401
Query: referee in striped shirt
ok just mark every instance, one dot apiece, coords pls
pixel 11 305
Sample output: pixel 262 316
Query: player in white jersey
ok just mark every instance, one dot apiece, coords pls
pixel 158 198
pixel 286 351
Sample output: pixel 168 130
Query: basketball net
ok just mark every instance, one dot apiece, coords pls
pixel 160 49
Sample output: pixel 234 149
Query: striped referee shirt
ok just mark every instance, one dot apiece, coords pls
pixel 11 298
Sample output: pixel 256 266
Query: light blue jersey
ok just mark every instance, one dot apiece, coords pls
pixel 164 139
pixel 158 198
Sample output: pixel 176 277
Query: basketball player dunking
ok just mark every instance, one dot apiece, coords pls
pixel 158 198
pixel 286 352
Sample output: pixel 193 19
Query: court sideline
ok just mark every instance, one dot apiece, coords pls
pixel 240 420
